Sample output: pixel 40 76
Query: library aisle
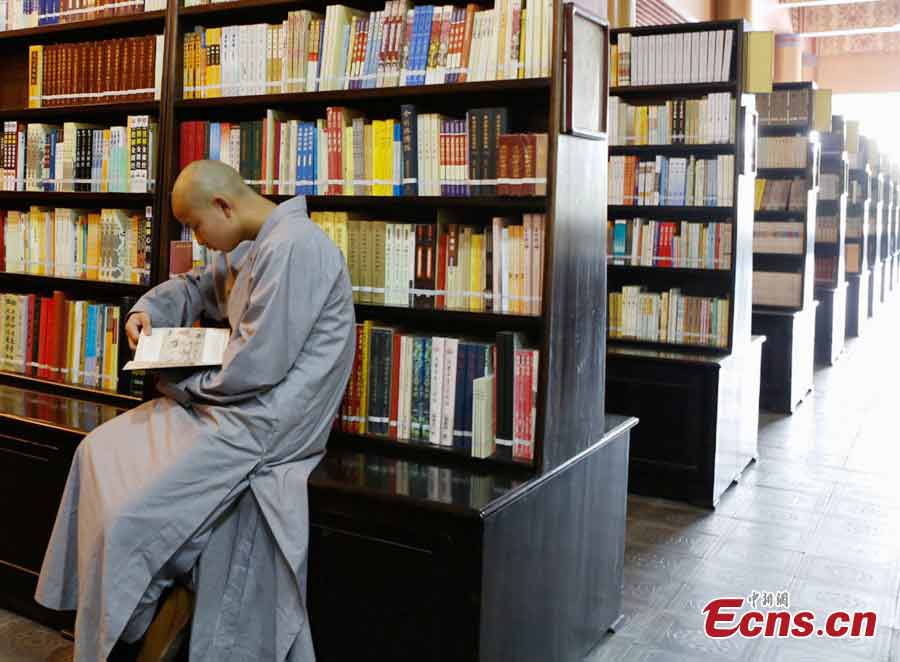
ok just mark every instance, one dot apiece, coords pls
pixel 816 516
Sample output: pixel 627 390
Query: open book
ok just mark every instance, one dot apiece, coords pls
pixel 179 348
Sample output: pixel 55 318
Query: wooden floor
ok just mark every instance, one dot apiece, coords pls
pixel 816 516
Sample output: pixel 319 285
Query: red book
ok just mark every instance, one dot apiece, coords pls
pixel 393 427
pixel 29 337
pixel 441 269
pixel 185 146
pixel 55 341
pixel 42 340
pixel 199 135
pixel 62 327
pixel 356 425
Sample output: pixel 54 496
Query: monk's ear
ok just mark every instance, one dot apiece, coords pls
pixel 224 207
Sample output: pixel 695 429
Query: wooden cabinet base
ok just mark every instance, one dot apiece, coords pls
pixel 787 357
pixel 857 304
pixel 699 416
pixel 831 323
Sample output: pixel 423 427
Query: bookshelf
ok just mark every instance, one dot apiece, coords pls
pixel 784 234
pixel 831 237
pixel 875 244
pixel 895 229
pixel 887 213
pixel 428 515
pixel 857 255
pixel 695 435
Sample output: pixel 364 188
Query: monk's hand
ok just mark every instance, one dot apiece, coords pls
pixel 137 323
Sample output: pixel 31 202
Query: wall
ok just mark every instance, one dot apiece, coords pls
pixel 858 72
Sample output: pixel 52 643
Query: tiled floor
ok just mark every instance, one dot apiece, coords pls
pixel 818 516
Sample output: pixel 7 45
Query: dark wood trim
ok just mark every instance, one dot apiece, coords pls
pixel 81 29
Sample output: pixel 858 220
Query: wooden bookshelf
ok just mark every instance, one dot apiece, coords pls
pixel 702 438
pixel 831 237
pixel 857 254
pixel 467 517
pixel 787 322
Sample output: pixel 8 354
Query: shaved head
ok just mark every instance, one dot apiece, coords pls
pixel 202 181
pixel 212 200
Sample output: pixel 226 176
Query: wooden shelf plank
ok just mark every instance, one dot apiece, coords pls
pixel 498 321
pixel 70 113
pixel 782 172
pixel 69 390
pixel 779 215
pixel 672 91
pixel 524 86
pixel 119 200
pixel 232 7
pixel 390 203
pixel 422 449
pixel 83 285
pixel 676 272
pixel 668 212
pixel 653 150
pixel 142 20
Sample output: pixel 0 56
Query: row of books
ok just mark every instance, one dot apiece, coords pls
pixel 444 266
pixel 783 152
pixel 781 194
pixel 187 253
pixel 671 59
pixel 107 245
pixel 476 397
pixel 777 288
pixel 826 269
pixel 668 317
pixel 854 258
pixel 675 181
pixel 24 14
pixel 827 229
pixel 669 244
pixel 782 237
pixel 346 154
pixel 75 156
pixel 349 49
pixel 61 340
pixel 784 107
pixel 706 120
pixel 829 186
pixel 109 71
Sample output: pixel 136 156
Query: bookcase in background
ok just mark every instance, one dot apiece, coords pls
pixel 697 402
pixel 858 202
pixel 895 229
pixel 784 243
pixel 45 412
pixel 876 236
pixel 831 236
pixel 887 214
pixel 442 527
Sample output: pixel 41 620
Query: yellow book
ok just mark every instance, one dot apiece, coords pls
pixel 476 289
pixel 851 127
pixel 328 224
pixel 363 386
pixel 760 191
pixel 35 75
pixel 522 44
pixel 613 64
pixel 369 152
pixel 759 62
pixel 214 62
pixel 341 219
pixel 93 246
pixel 381 140
pixel 822 111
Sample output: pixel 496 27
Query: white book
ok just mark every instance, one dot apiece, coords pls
pixel 685 54
pixel 404 388
pixel 717 55
pixel 436 394
pixel 448 403
pixel 179 347
pixel 726 59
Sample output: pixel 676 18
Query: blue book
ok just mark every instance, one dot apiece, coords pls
pixel 313 160
pixel 298 173
pixel 421 38
pixel 664 182
pixel 620 237
pixel 398 159
pixel 367 79
pixel 215 140
pixel 319 60
pixel 90 346
pixel 462 372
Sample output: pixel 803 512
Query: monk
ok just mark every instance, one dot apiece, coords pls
pixel 210 481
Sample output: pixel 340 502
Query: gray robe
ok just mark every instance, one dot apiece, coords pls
pixel 213 478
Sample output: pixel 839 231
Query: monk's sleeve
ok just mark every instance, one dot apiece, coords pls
pixel 290 285
pixel 179 301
